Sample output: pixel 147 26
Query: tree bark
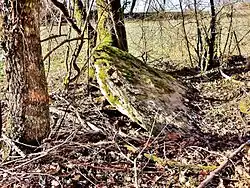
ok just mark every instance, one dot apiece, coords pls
pixel 132 7
pixel 28 99
pixel 211 48
pixel 110 24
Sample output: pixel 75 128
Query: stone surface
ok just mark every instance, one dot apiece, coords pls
pixel 150 97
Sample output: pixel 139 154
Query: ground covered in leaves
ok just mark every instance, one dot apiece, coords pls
pixel 93 145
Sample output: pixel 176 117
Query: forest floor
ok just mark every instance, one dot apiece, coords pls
pixel 93 145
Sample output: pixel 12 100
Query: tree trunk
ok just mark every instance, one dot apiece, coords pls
pixel 110 27
pixel 81 18
pixel 132 7
pixel 28 99
pixel 211 48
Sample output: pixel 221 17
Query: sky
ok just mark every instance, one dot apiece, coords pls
pixel 173 5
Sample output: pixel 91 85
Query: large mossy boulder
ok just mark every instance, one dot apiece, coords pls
pixel 149 97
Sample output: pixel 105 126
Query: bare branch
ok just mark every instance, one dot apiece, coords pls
pixel 59 45
pixel 223 165
pixel 65 12
pixel 52 37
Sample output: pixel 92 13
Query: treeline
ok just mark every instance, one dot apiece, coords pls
pixel 161 15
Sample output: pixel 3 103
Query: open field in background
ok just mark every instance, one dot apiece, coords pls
pixel 55 64
pixel 160 41
pixel 164 40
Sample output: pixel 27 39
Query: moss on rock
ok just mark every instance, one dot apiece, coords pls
pixel 147 96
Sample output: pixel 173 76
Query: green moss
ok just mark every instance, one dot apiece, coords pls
pixel 66 80
pixel 104 35
pixel 244 105
pixel 113 100
pixel 176 164
pixel 112 53
pixel 102 73
pixel 117 101
pixel 117 53
pixel 91 72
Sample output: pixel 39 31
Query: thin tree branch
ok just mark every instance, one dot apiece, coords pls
pixel 185 34
pixel 52 37
pixel 229 29
pixel 237 43
pixel 59 45
pixel 65 12
pixel 223 165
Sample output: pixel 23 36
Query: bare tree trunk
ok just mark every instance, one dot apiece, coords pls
pixel 199 45
pixel 111 24
pixel 211 50
pixel 185 34
pixel 132 7
pixel 28 118
pixel 81 11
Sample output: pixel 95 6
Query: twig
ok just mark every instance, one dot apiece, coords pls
pixel 81 121
pixel 27 145
pixel 242 38
pixel 213 71
pixel 79 47
pixel 211 152
pixel 65 12
pixel 44 153
pixel 176 164
pixel 77 169
pixel 237 43
pixel 60 113
pixel 59 45
pixel 140 153
pixel 224 75
pixel 52 37
pixel 229 29
pixel 30 173
pixel 223 165
pixel 13 145
pixel 27 162
pixel 92 126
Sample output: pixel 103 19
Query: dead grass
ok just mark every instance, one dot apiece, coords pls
pixel 158 41
pixel 164 40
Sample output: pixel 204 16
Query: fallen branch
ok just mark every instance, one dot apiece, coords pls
pixel 174 164
pixel 46 152
pixel 80 120
pixel 223 165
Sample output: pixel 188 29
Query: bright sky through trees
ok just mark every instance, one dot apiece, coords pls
pixel 172 5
